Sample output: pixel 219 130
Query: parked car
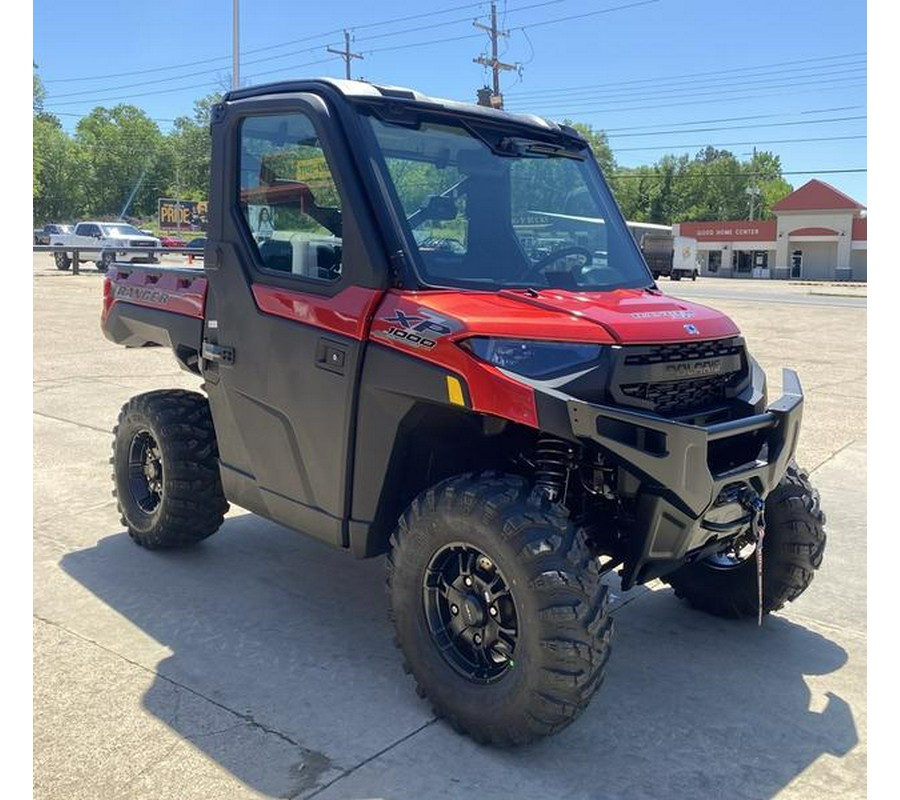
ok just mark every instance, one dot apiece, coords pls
pixel 42 235
pixel 196 244
pixel 172 241
pixel 104 243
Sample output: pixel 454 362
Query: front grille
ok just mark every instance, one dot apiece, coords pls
pixel 680 378
pixel 679 395
pixel 141 243
pixel 684 351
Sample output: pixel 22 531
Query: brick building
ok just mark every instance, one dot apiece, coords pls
pixel 818 233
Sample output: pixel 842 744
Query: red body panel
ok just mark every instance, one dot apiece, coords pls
pixel 175 292
pixel 430 324
pixel 347 313
pixel 618 317
pixel 490 391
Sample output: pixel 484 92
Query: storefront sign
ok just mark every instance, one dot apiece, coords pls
pixel 730 231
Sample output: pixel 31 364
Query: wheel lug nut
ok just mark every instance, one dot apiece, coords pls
pixel 454 609
pixel 492 611
pixel 468 581
pixel 476 638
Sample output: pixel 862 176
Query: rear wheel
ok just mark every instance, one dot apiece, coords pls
pixel 62 261
pixel 498 608
pixel 793 547
pixel 166 470
pixel 675 276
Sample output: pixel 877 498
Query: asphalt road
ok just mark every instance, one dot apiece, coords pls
pixel 260 663
pixel 767 293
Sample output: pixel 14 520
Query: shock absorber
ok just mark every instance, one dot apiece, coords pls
pixel 553 461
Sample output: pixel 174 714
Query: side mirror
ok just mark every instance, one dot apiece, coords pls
pixel 440 208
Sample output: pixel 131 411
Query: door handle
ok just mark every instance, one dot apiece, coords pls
pixel 217 352
pixel 331 356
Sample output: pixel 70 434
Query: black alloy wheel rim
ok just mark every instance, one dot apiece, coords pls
pixel 145 472
pixel 741 550
pixel 471 613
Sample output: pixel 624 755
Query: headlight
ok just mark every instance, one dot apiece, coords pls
pixel 534 359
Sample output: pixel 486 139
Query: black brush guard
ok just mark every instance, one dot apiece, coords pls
pixel 685 510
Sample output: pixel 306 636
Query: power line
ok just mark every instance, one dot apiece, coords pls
pixel 170 91
pixel 556 91
pixel 736 144
pixel 618 108
pixel 741 127
pixel 748 174
pixel 665 91
pixel 312 49
pixel 288 43
pixel 734 119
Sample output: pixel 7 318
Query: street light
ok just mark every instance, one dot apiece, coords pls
pixel 235 47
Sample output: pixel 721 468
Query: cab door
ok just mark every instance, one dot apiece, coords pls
pixel 295 273
pixel 85 239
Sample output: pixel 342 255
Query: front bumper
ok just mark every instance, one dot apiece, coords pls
pixel 685 506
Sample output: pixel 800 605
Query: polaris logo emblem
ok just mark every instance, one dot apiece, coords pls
pixel 695 369
pixel 693 330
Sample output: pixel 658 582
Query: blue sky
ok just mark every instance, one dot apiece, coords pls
pixel 660 76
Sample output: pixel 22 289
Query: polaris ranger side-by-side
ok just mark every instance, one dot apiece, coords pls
pixel 424 330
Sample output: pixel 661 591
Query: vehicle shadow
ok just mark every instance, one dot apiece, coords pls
pixel 293 638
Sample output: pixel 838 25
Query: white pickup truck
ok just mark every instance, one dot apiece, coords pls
pixel 104 243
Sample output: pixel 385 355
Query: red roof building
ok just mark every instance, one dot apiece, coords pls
pixel 819 233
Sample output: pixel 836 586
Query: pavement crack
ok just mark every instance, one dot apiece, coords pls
pixel 318 763
pixel 72 422
pixel 368 760
pixel 834 455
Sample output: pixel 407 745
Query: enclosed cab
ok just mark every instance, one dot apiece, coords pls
pixel 424 330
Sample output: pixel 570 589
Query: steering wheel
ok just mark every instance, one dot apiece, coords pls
pixel 556 255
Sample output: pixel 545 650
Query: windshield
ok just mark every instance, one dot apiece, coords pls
pixel 121 230
pixel 489 210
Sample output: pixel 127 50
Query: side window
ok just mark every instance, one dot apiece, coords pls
pixel 81 230
pixel 288 198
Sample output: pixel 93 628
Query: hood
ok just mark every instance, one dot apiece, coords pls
pixel 636 316
pixel 623 316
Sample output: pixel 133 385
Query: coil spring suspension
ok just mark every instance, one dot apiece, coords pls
pixel 553 461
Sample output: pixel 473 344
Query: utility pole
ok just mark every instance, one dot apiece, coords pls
pixel 495 99
pixel 235 45
pixel 345 53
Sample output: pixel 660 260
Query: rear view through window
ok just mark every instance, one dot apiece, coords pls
pixel 288 198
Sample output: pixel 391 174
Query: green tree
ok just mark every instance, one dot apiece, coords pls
pixel 599 145
pixel 60 172
pixel 38 92
pixel 764 172
pixel 123 147
pixel 184 170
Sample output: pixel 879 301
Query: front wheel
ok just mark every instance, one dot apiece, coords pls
pixel 726 584
pixel 62 260
pixel 498 608
pixel 166 469
pixel 675 276
pixel 107 259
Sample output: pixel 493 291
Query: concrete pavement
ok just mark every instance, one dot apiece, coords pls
pixel 260 663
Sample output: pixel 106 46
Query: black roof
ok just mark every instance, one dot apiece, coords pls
pixel 363 90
